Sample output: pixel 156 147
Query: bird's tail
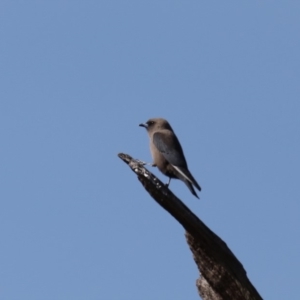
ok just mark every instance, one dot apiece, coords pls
pixel 191 188
pixel 187 176
pixel 188 183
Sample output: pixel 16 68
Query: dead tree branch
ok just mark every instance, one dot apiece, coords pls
pixel 222 276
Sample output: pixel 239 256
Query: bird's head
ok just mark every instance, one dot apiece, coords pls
pixel 156 124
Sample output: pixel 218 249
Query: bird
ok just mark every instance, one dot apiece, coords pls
pixel 167 153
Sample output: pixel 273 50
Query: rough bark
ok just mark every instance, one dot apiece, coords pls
pixel 222 276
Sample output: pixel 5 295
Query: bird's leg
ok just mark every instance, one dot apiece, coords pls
pixel 167 184
pixel 145 163
pixel 142 162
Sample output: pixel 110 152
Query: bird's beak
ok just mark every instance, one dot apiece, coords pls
pixel 143 125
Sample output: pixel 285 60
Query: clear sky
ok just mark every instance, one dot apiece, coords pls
pixel 77 77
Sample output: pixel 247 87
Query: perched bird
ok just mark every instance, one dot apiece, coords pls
pixel 167 153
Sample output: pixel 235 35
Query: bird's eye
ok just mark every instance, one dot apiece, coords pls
pixel 150 123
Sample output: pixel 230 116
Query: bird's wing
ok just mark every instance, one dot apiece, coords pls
pixel 167 143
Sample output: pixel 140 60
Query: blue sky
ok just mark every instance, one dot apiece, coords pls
pixel 77 77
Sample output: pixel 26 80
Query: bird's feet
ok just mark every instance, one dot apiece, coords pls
pixel 145 163
pixel 167 184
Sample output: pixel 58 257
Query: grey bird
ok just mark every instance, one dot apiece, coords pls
pixel 167 153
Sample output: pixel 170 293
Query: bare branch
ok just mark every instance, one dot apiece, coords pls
pixel 222 276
